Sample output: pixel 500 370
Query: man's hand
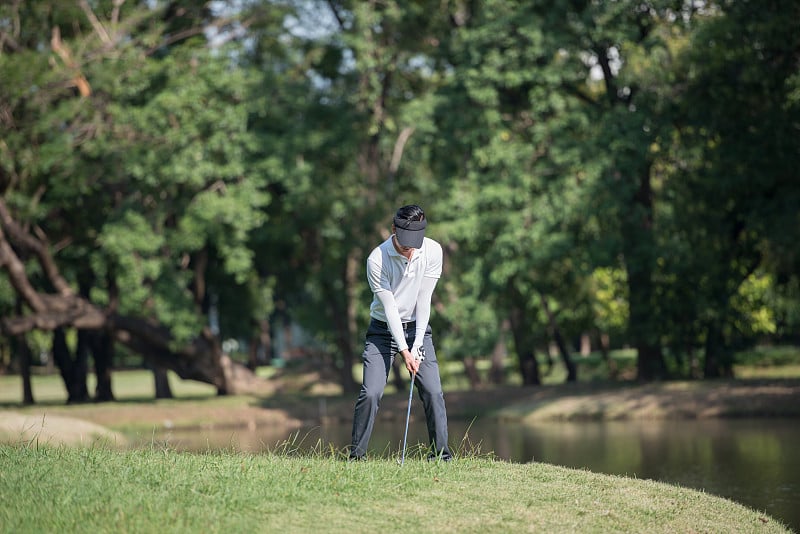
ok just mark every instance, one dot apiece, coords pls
pixel 412 363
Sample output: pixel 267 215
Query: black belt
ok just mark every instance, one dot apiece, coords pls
pixel 406 326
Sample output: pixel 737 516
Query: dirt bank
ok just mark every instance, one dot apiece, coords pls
pixel 54 430
pixel 666 400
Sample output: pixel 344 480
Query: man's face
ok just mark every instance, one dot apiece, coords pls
pixel 405 251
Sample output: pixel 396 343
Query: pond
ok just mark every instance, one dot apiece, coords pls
pixel 752 461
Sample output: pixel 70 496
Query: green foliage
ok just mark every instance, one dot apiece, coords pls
pixel 754 317
pixel 610 299
pixel 633 167
pixel 150 171
pixel 470 328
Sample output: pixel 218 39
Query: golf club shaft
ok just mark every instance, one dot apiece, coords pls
pixel 408 416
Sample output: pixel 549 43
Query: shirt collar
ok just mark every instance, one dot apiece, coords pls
pixel 393 251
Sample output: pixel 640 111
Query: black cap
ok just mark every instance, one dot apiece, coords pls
pixel 410 233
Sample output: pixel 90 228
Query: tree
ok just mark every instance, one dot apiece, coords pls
pixel 129 152
pixel 368 60
pixel 513 119
pixel 735 167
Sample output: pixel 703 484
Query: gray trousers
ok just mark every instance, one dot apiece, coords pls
pixel 379 350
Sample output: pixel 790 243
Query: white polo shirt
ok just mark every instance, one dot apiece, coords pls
pixel 388 270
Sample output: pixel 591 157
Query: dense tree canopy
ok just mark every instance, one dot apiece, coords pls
pixel 173 176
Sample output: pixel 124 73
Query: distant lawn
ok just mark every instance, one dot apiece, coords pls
pixel 768 362
pixel 761 362
pixel 69 490
pixel 126 385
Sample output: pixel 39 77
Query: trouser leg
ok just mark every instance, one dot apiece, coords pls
pixel 377 358
pixel 430 391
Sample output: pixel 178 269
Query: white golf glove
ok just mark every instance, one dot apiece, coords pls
pixel 418 353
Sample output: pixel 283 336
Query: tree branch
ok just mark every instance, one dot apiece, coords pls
pixel 63 52
pixel 24 239
pixel 336 14
pixel 399 146
pixel 608 76
pixel 115 12
pixel 17 277
pixel 95 22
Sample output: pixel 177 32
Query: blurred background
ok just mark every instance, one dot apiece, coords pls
pixel 194 186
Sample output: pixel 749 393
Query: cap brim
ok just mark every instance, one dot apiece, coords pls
pixel 410 238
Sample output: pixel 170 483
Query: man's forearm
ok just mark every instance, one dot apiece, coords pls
pixel 423 311
pixel 393 319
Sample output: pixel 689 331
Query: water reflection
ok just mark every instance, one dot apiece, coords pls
pixel 754 462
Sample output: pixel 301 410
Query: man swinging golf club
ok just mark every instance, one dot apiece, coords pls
pixel 402 273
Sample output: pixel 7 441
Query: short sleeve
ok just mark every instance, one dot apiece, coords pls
pixel 433 268
pixel 377 282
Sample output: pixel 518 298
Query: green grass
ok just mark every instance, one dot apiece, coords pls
pixel 100 490
pixel 128 385
pixel 769 356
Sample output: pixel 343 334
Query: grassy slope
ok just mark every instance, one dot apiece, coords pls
pixel 94 489
pixel 100 490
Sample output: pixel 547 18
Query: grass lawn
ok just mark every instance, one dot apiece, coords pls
pixel 53 488
pixel 100 490
pixel 128 385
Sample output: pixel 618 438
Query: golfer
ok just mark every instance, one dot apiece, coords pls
pixel 402 273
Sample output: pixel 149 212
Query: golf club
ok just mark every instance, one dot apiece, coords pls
pixel 420 356
pixel 408 416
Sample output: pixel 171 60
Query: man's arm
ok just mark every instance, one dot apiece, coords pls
pixel 396 329
pixel 380 287
pixel 423 313
pixel 393 318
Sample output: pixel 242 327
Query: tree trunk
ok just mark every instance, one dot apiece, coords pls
pixel 63 360
pixel 605 351
pixel 103 353
pixel 586 344
pixel 497 373
pixel 650 362
pixel 566 357
pixel 80 368
pixel 555 332
pixel 5 356
pixel 260 345
pixel 523 343
pixel 23 351
pixel 351 290
pixel 529 367
pixel 196 361
pixel 471 371
pixel 638 248
pixel 161 381
pixel 343 318
pixel 345 348
pixel 719 357
pixel 694 363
